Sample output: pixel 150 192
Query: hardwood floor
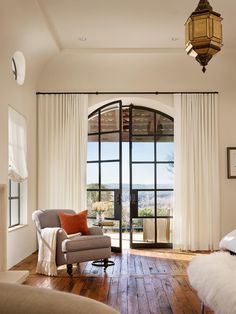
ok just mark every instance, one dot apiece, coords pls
pixel 142 281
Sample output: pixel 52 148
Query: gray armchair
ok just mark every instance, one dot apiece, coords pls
pixel 77 249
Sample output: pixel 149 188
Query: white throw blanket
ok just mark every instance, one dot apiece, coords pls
pixel 47 252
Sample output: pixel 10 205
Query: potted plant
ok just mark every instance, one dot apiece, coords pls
pixel 99 208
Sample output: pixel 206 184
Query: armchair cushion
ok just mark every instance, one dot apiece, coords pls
pixel 74 223
pixel 85 243
pixel 95 231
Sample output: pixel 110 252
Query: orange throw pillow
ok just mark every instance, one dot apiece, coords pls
pixel 74 223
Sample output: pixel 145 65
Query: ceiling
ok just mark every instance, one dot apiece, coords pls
pixel 140 24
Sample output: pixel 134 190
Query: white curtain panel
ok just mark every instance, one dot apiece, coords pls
pixel 197 203
pixel 62 151
pixel 17 143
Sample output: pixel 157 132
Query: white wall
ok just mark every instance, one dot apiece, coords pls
pixel 21 242
pixel 133 70
pixel 25 31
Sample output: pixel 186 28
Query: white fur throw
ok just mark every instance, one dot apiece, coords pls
pixel 47 252
pixel 214 278
pixel 229 242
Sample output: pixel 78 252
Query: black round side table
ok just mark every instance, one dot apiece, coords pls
pixel 103 262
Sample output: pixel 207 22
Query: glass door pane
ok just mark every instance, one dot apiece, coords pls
pixel 92 197
pixel 142 121
pixel 146 204
pixel 110 118
pixel 165 176
pixel 164 230
pixel 92 175
pixel 110 175
pixel 104 175
pixel 151 181
pixel 143 148
pixel 143 176
pixel 92 148
pixel 143 230
pixel 164 125
pixel 93 123
pixel 110 146
pixel 164 203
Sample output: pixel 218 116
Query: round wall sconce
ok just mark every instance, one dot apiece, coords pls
pixel 18 67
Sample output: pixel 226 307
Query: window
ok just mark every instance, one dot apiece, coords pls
pixel 17 170
pixel 14 203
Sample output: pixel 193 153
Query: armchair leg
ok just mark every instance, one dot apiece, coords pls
pixel 106 264
pixel 78 268
pixel 69 269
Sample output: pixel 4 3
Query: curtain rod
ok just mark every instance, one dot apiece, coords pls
pixel 122 93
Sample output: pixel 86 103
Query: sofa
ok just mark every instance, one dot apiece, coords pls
pixel 20 299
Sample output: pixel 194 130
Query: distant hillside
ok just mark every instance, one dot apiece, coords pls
pixel 140 186
pixel 145 198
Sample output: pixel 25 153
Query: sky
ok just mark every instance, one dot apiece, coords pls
pixel 142 173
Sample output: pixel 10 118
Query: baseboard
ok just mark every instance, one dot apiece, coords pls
pixel 14 276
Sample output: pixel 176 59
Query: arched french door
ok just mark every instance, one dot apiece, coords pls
pixel 130 166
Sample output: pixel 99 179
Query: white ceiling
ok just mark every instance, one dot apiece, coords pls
pixel 128 23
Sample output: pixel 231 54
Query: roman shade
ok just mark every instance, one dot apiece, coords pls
pixel 17 139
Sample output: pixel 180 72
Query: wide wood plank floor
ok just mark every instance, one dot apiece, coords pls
pixel 142 281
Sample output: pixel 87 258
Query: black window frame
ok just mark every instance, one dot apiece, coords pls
pixel 10 198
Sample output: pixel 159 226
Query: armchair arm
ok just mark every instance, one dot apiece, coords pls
pixel 95 231
pixel 61 235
